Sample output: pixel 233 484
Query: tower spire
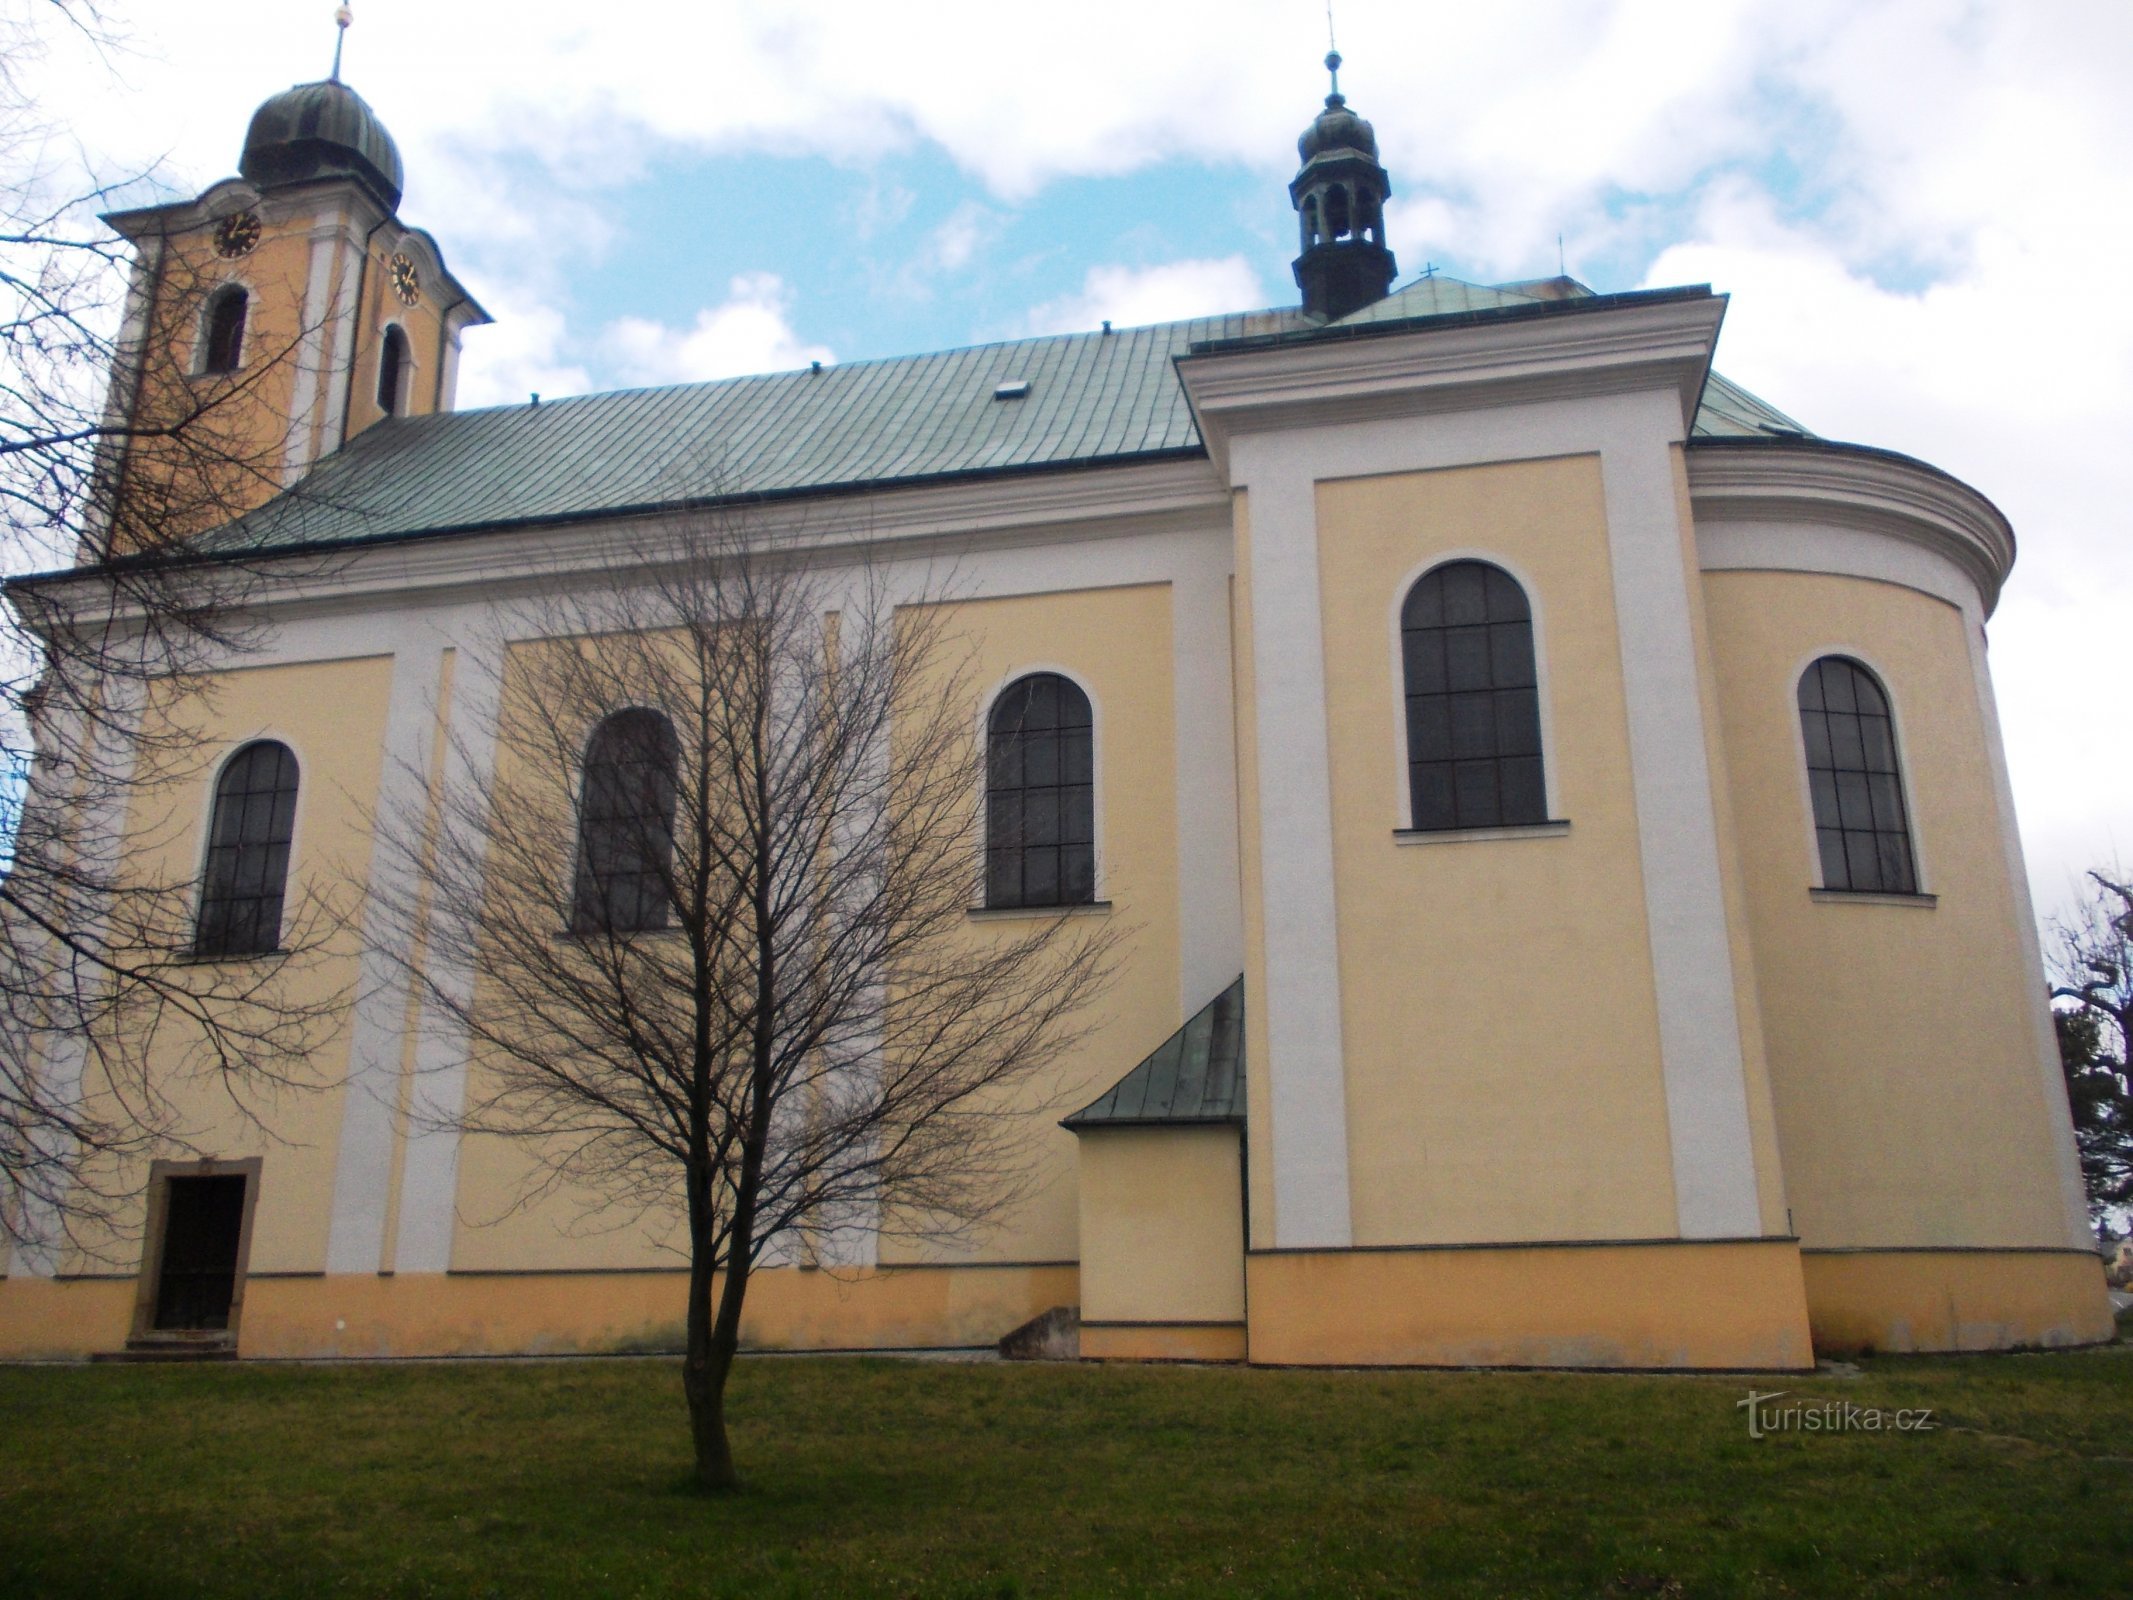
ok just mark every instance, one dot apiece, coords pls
pixel 342 17
pixel 1339 195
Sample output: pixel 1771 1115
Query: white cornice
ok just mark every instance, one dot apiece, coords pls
pixel 1872 491
pixel 1009 509
pixel 1459 366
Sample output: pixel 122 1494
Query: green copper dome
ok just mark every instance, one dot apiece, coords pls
pixel 321 130
pixel 1337 128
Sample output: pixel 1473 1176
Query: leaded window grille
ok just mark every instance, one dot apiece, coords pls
pixel 1472 700
pixel 626 825
pixel 1862 826
pixel 1040 795
pixel 247 875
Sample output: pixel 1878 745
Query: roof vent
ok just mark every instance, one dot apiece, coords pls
pixel 1013 389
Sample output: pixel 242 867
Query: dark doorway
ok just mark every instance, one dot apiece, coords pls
pixel 203 1225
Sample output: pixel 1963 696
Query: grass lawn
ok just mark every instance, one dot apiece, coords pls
pixel 895 1478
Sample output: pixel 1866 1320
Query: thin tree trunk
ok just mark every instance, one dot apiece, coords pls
pixel 705 1378
pixel 709 1357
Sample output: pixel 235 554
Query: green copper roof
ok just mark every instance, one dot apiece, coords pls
pixel 1195 1075
pixel 1092 399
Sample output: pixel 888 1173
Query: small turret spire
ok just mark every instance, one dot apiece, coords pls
pixel 1333 59
pixel 342 17
pixel 1339 195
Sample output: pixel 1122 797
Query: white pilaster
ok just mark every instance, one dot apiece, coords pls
pixel 1309 1110
pixel 362 1172
pixel 1677 835
pixel 429 1171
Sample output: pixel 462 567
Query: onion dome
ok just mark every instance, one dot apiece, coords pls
pixel 317 131
pixel 1336 127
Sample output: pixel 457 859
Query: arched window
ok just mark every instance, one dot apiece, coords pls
pixel 1473 702
pixel 1861 823
pixel 626 825
pixel 248 853
pixel 222 336
pixel 392 369
pixel 1040 795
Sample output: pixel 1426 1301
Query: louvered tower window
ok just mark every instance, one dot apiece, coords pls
pixel 392 370
pixel 222 336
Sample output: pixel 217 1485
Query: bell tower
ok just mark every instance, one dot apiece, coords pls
pixel 270 321
pixel 1339 194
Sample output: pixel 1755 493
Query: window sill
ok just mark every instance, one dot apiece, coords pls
pixel 1519 830
pixel 1075 908
pixel 235 958
pixel 1870 897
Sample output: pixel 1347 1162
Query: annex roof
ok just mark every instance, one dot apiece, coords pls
pixel 1090 399
pixel 1196 1075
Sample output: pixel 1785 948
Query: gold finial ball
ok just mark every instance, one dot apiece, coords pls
pixel 342 16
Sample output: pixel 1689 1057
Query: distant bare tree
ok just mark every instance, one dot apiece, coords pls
pixel 2092 975
pixel 114 458
pixel 699 906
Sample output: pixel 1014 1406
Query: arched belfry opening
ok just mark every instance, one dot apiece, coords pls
pixel 1340 195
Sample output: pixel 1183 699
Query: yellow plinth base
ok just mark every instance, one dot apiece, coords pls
pixel 427 1314
pixel 1734 1305
pixel 1162 1341
pixel 1898 1300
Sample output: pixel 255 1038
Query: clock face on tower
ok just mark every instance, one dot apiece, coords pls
pixel 406 281
pixel 237 234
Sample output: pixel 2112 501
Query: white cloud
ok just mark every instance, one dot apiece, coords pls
pixel 951 245
pixel 747 333
pixel 521 355
pixel 1130 297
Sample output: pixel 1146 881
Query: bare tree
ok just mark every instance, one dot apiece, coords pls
pixel 698 905
pixel 115 458
pixel 2092 972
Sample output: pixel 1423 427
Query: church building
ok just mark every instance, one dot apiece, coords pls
pixel 1571 910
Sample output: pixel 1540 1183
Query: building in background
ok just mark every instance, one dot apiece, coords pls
pixel 1576 914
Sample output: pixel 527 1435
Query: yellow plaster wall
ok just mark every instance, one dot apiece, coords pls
pixel 1497 1004
pixel 1673 1305
pixel 1956 1299
pixel 1117 644
pixel 510 1214
pixel 332 714
pixel 1162 1225
pixel 377 307
pixel 1903 1069
pixel 240 421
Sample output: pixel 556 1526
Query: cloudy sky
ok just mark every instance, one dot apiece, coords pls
pixel 1917 206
